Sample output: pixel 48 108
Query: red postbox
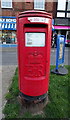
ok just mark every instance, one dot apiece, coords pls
pixel 34 43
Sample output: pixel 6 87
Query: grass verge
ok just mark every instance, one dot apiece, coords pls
pixel 58 106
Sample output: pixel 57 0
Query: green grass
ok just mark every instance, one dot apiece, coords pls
pixel 58 106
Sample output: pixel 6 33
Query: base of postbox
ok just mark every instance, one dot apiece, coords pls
pixel 61 71
pixel 33 105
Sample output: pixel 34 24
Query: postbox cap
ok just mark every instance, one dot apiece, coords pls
pixel 35 13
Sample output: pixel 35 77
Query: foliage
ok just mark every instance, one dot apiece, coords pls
pixel 58 106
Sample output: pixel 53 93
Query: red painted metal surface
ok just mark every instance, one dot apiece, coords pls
pixel 34 62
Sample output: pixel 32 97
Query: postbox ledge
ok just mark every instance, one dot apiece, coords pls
pixel 34 13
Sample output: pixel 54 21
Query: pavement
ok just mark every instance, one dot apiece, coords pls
pixel 0 92
pixel 6 74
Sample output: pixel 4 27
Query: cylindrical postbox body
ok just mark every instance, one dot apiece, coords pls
pixel 34 43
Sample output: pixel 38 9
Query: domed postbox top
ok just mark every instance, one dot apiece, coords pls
pixel 35 13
